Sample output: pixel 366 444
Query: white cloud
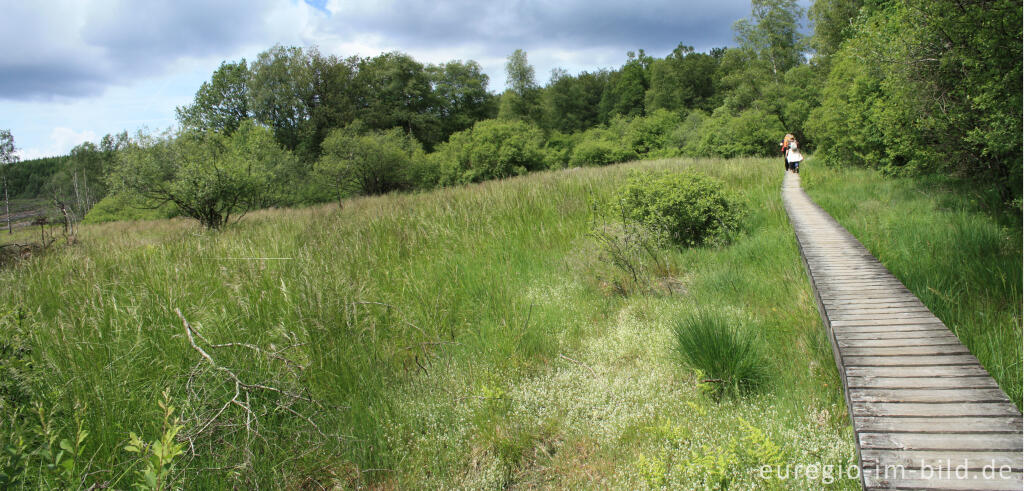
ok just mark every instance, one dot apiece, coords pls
pixel 62 140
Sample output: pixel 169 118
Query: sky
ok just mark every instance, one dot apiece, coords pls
pixel 74 70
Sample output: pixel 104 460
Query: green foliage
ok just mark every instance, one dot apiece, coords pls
pixel 374 162
pixel 118 207
pixel 158 456
pixel 571 102
pixel 522 100
pixel 280 92
pixel 594 150
pixel 207 176
pixel 624 94
pixel 651 133
pixel 724 349
pixel 773 33
pixel 220 104
pixel 689 209
pixel 492 149
pixel 683 80
pixel 725 134
pixel 395 91
pixel 927 87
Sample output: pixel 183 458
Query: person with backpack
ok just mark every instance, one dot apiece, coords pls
pixel 784 147
pixel 793 156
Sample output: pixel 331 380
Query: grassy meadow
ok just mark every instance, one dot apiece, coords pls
pixel 470 337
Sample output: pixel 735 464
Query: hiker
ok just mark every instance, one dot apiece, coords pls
pixel 784 147
pixel 793 156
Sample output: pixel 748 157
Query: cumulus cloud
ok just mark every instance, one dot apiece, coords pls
pixel 74 48
pixel 77 48
pixel 62 140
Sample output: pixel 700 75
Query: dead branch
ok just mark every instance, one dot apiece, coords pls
pixel 584 365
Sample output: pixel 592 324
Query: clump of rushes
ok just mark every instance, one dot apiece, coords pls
pixel 724 351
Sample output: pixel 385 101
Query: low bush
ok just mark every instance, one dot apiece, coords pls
pixel 725 351
pixel 600 152
pixel 688 209
pixel 491 149
pixel 118 207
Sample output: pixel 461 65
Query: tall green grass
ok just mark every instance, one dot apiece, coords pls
pixel 456 338
pixel 950 245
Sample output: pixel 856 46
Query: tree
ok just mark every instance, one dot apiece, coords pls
pixel 374 162
pixel 220 104
pixel 7 157
pixel 571 103
pixel 208 176
pixel 626 88
pixel 683 80
pixel 395 91
pixel 773 34
pixel 460 96
pixel 522 98
pixel 280 88
pixel 491 149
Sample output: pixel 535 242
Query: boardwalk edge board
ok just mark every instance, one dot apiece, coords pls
pixel 919 401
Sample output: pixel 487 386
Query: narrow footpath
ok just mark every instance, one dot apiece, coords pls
pixel 925 413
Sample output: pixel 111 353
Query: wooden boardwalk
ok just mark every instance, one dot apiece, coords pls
pixel 926 415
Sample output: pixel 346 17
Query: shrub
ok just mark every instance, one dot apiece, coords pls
pixel 117 207
pixel 688 209
pixel 650 134
pixel 724 350
pixel 600 152
pixel 491 149
pixel 208 176
pixel 750 133
pixel 374 162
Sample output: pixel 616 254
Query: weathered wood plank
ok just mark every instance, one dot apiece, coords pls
pixel 909 361
pixel 906 394
pixel 931 320
pixel 999 442
pixel 919 479
pixel 919 459
pixel 981 382
pixel 942 349
pixel 924 372
pixel 920 409
pixel 904 336
pixel 889 342
pixel 912 424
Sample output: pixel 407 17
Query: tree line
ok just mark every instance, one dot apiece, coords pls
pixel 911 86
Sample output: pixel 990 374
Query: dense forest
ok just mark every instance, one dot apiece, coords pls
pixel 907 87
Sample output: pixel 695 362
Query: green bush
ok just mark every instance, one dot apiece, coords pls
pixel 558 149
pixel 687 209
pixel 372 162
pixel 752 132
pixel 491 149
pixel 651 133
pixel 118 207
pixel 600 152
pixel 724 350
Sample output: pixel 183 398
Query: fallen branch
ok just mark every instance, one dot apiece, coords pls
pixel 584 365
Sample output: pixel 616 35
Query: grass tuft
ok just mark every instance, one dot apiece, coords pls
pixel 725 351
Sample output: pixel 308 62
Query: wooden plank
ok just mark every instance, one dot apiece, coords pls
pixel 906 394
pixel 981 382
pixel 936 328
pixel 921 409
pixel 888 322
pixel 999 442
pixel 909 361
pixel 918 459
pixel 893 315
pixel 939 339
pixel 923 372
pixel 907 336
pixel 942 349
pixel 939 425
pixel 919 479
